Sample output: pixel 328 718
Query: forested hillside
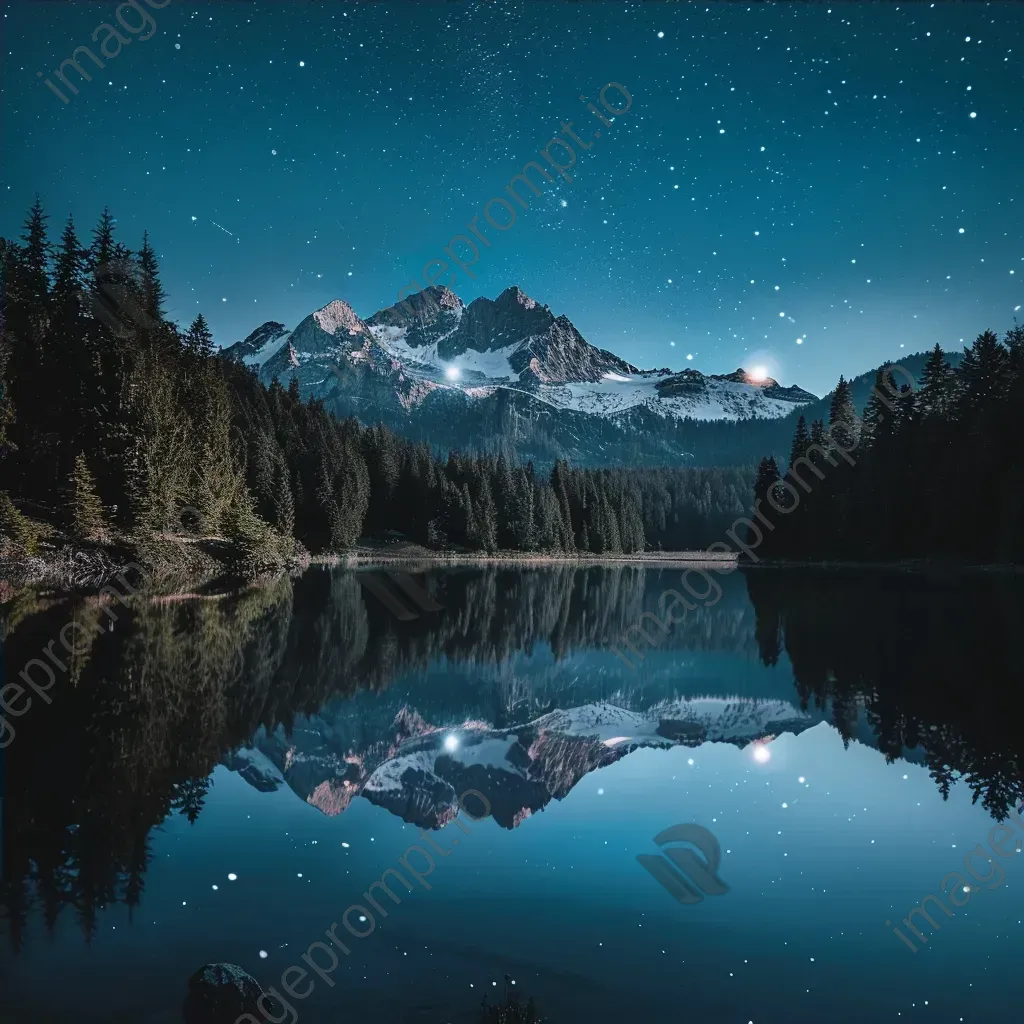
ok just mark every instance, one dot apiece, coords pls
pixel 931 471
pixel 117 423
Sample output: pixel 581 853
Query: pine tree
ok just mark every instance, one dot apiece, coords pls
pixel 470 534
pixel 610 523
pixel 69 269
pixel 35 259
pixel 877 416
pixel 983 372
pixel 352 493
pixel 505 503
pixel 114 296
pixel 818 436
pixel 801 441
pixel 842 417
pixel 1015 346
pixel 284 502
pixel 199 339
pixel 153 295
pixel 69 361
pixel 101 252
pixel 15 529
pixel 524 512
pixel 766 479
pixel 560 484
pixel 250 536
pixel 937 391
pixel 765 484
pixel 547 520
pixel 87 521
pixel 486 516
pixel 189 797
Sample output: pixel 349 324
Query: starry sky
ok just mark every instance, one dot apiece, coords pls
pixel 808 187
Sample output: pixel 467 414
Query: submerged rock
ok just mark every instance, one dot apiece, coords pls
pixel 219 994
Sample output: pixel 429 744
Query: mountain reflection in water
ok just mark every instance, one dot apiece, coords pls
pixel 310 689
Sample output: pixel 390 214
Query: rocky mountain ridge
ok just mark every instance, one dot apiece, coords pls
pixel 505 372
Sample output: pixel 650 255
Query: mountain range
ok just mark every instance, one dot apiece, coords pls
pixel 508 375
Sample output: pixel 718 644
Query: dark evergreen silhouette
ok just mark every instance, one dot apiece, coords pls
pixel 931 471
pixel 914 665
pixel 801 441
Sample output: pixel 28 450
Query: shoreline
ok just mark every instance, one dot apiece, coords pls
pixel 61 571
pixel 933 566
pixel 665 559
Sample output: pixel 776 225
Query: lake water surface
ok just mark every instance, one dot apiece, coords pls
pixel 221 780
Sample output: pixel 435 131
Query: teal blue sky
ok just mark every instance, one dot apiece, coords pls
pixel 846 175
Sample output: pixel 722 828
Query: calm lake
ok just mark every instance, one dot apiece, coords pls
pixel 222 779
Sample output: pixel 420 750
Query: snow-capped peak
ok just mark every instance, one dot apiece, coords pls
pixel 259 346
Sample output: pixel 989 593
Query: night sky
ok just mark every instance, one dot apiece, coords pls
pixel 809 187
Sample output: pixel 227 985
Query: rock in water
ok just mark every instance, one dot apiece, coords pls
pixel 219 994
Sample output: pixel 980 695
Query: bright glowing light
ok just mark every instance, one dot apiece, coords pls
pixel 451 743
pixel 232 877
pixel 758 373
pixel 452 373
pixel 761 753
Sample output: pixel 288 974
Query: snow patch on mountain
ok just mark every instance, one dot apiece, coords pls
pixel 718 400
pixel 490 752
pixel 603 720
pixel 388 777
pixel 712 719
pixel 425 361
pixel 261 345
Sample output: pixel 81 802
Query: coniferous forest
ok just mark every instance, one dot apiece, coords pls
pixel 932 470
pixel 117 422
